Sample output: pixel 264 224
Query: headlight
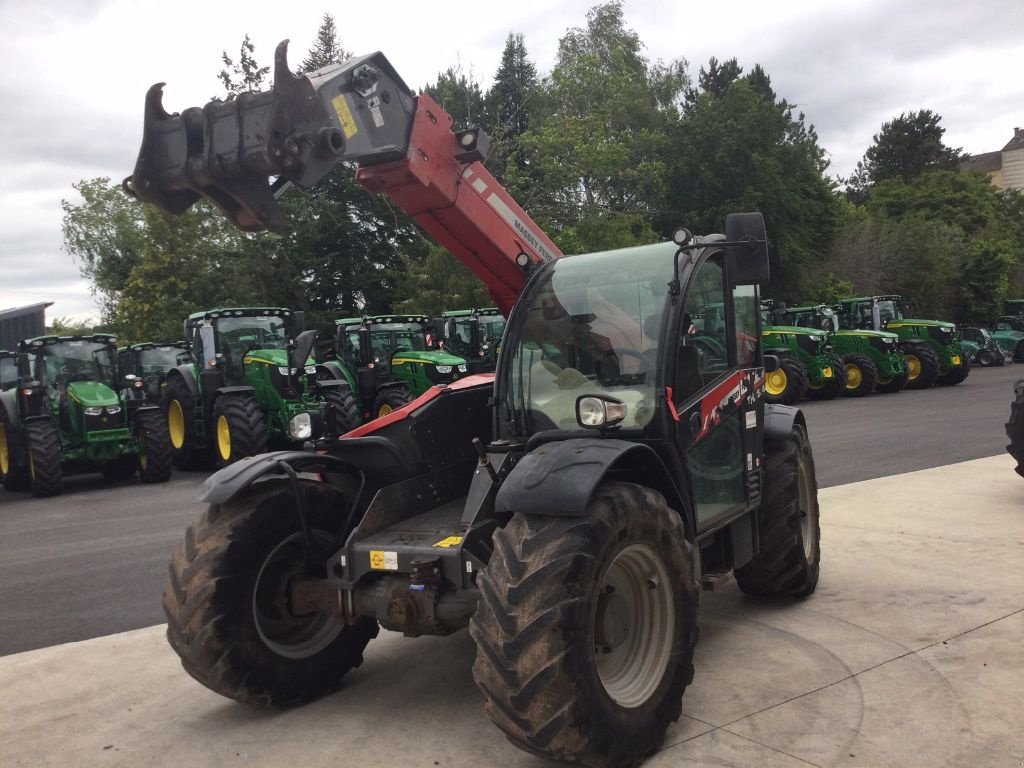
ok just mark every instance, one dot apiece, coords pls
pixel 462 368
pixel 92 410
pixel 599 411
pixel 310 369
pixel 300 427
pixel 112 409
pixel 443 368
pixel 282 370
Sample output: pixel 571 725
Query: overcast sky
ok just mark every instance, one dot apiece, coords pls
pixel 75 73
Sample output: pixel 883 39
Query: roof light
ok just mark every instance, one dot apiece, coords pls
pixel 682 236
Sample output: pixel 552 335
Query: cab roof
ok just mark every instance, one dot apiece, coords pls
pixel 240 312
pixel 486 311
pixel 41 341
pixel 380 319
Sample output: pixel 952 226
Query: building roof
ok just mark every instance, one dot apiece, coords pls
pixel 1017 142
pixel 987 162
pixel 6 314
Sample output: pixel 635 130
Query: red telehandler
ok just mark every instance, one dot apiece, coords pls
pixel 567 509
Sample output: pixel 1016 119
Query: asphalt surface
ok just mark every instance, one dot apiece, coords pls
pixel 93 561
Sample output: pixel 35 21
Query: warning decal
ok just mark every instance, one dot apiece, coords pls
pixel 381 560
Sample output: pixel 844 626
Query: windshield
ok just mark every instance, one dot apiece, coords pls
pixel 241 334
pixel 591 328
pixel 887 310
pixel 8 372
pixel 388 338
pixel 491 328
pixel 161 359
pixel 67 361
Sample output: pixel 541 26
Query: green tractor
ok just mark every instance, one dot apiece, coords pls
pixel 1015 307
pixel 389 360
pixel 144 368
pixel 808 364
pixel 1015 426
pixel 1008 332
pixel 982 348
pixel 474 334
pixel 65 416
pixel 931 347
pixel 871 360
pixel 249 385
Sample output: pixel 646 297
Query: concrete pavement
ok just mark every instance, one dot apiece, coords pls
pixel 909 654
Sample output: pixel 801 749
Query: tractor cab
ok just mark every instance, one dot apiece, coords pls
pixel 1015 307
pixel 820 316
pixel 473 334
pixel 243 337
pixel 8 369
pixel 143 368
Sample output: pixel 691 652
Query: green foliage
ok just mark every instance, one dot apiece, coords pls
pixel 326 48
pixel 986 280
pixel 244 77
pixel 834 289
pixel 65 326
pixel 461 97
pixel 437 282
pixel 907 147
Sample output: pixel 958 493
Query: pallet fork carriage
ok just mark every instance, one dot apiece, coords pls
pixel 567 509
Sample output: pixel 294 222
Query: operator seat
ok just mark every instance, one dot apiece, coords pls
pixel 688 379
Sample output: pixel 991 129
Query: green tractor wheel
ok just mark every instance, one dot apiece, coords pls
pixel 922 366
pixel 831 386
pixel 155 453
pixel 391 399
pixel 888 385
pixel 44 457
pixel 341 403
pixel 861 375
pixel 12 476
pixel 1015 427
pixel 956 375
pixel 239 430
pixel 179 405
pixel 787 383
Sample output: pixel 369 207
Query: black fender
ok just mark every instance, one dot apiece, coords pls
pixel 779 420
pixel 236 390
pixel 147 407
pixel 187 375
pixel 559 478
pixel 9 406
pixel 380 461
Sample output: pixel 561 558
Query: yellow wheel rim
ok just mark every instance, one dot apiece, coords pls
pixel 854 376
pixel 385 410
pixel 31 465
pixel 913 367
pixel 223 437
pixel 775 382
pixel 5 455
pixel 176 424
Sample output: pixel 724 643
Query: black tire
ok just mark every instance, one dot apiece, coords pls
pixel 237 428
pixel 47 479
pixel 832 386
pixel 889 386
pixel 391 399
pixel 155 452
pixel 225 613
pixel 922 366
pixel 1015 427
pixel 342 410
pixel 787 383
pixel 986 358
pixel 14 471
pixel 1018 352
pixel 957 374
pixel 179 406
pixel 861 375
pixel 554 679
pixel 789 559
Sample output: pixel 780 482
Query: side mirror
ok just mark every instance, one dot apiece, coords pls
pixel 771 363
pixel 748 262
pixel 303 346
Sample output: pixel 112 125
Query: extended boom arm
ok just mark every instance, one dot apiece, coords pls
pixel 359 111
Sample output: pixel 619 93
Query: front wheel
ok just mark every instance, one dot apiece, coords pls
pixel 957 374
pixel 391 399
pixel 586 628
pixel 179 406
pixel 228 601
pixel 789 558
pixel 238 428
pixel 787 383
pixel 831 386
pixel 47 478
pixel 154 442
pixel 342 408
pixel 1015 427
pixel 14 471
pixel 861 375
pixel 922 366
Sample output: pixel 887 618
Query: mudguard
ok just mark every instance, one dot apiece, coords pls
pixel 378 458
pixel 235 389
pixel 187 375
pixel 9 405
pixel 779 420
pixel 559 478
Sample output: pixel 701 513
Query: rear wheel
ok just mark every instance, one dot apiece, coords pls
pixel 586 628
pixel 922 366
pixel 44 457
pixel 787 383
pixel 986 358
pixel 238 428
pixel 861 375
pixel 228 601
pixel 179 405
pixel 789 559
pixel 155 452
pixel 343 409
pixel 1015 427
pixel 391 399
pixel 14 473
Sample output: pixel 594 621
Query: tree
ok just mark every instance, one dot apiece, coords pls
pixel 986 279
pixel 326 48
pixel 739 149
pixel 438 282
pixel 461 97
pixel 906 147
pixel 510 106
pixel 244 77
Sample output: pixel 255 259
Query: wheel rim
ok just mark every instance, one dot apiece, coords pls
pixel 854 376
pixel 176 424
pixel 143 460
pixel 913 367
pixel 775 382
pixel 293 637
pixel 634 617
pixel 5 454
pixel 223 437
pixel 808 522
pixel 384 410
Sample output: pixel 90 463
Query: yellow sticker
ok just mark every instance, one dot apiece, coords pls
pixel 381 560
pixel 348 123
pixel 451 541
